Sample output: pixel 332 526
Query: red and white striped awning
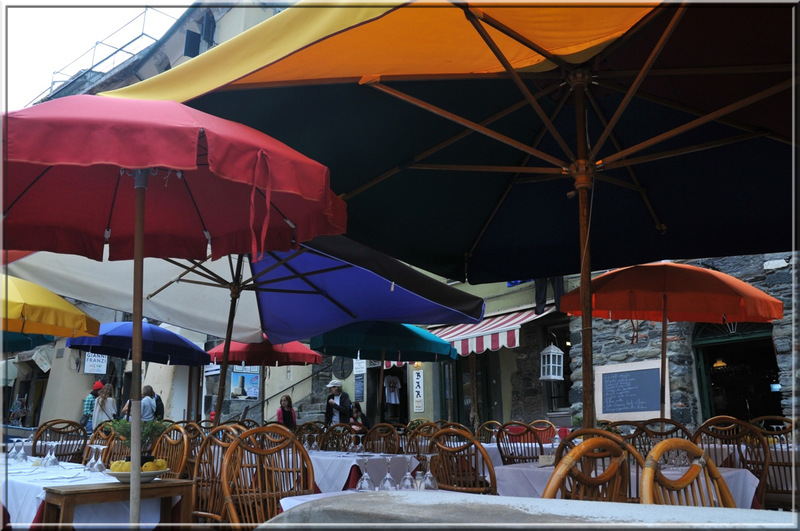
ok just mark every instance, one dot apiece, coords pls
pixel 492 333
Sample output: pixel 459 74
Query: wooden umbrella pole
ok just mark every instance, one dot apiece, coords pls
pixel 380 387
pixel 223 368
pixel 664 359
pixel 140 185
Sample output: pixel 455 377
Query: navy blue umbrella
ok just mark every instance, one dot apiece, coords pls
pixel 18 342
pixel 159 345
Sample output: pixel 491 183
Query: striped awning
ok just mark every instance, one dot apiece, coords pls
pixel 492 333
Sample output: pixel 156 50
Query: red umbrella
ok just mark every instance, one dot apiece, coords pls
pixel 76 173
pixel 291 353
pixel 667 291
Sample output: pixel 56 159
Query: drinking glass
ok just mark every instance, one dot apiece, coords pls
pixel 388 482
pixel 12 454
pixel 50 459
pixel 365 483
pixel 314 444
pixel 96 464
pixel 89 464
pixel 407 483
pixel 352 447
pixel 430 479
pixel 360 447
pixel 419 480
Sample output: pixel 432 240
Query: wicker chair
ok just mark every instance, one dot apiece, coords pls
pixel 578 476
pixel 382 438
pixel 461 463
pixel 207 499
pixel 655 430
pixel 545 430
pixel 69 434
pixel 420 438
pixel 173 447
pixel 734 443
pixel 337 438
pixel 701 485
pixel 625 428
pixel 206 426
pixel 487 430
pixel 309 430
pixel 262 466
pixel 102 434
pixel 196 436
pixel 595 463
pixel 518 442
pixel 778 493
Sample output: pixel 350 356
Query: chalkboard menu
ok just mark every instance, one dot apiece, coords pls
pixel 359 387
pixel 629 390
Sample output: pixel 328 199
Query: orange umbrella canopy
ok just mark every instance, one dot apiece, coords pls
pixel 31 309
pixel 686 293
pixel 265 353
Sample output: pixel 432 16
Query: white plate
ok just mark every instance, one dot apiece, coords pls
pixel 147 477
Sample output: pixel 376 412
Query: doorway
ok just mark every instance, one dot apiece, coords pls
pixel 737 370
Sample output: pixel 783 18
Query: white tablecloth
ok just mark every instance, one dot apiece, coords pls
pixel 530 480
pixel 22 492
pixel 332 469
pixel 497 459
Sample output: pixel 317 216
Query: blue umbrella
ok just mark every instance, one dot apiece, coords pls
pixel 159 345
pixel 379 340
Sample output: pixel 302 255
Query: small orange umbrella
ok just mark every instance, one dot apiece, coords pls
pixel 667 291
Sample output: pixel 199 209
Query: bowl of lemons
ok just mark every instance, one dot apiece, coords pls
pixel 121 470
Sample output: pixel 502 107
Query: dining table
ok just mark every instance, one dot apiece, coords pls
pixel 530 479
pixel 23 489
pixel 336 471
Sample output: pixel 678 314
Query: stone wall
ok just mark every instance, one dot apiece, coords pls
pixel 772 273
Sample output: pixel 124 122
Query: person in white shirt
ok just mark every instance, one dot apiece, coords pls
pixel 337 406
pixel 148 403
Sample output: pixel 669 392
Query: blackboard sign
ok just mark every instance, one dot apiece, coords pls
pixel 629 391
pixel 359 391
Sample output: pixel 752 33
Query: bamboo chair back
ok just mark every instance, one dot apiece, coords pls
pixel 518 442
pixel 206 426
pixel 578 476
pixel 262 466
pixel 778 494
pixel 70 435
pixel 102 434
pixel 655 430
pixel 307 431
pixel 196 435
pixel 625 428
pixel 207 499
pixel 382 438
pixel 173 447
pixel 545 430
pixel 420 438
pixel 734 443
pixel 596 462
pixel 700 486
pixel 487 430
pixel 460 462
pixel 337 438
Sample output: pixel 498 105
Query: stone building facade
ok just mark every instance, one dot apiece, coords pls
pixel 612 340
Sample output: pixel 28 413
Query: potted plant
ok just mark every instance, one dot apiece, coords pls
pixel 151 430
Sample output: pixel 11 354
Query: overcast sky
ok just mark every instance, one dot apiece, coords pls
pixel 43 40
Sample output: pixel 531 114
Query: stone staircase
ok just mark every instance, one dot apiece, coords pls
pixel 312 407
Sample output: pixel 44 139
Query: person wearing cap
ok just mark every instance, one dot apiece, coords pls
pixel 337 406
pixel 88 405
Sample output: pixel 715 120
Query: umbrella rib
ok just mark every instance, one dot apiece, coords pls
pixel 197 268
pixel 655 52
pixel 470 14
pixel 712 116
pixel 694 111
pixel 33 182
pixel 260 284
pixel 661 227
pixel 468 123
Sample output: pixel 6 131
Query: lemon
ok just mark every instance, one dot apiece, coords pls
pixel 116 466
pixel 161 464
pixel 150 465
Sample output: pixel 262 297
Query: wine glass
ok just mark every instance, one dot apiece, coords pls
pixel 360 446
pixel 12 454
pixel 352 447
pixel 430 479
pixel 388 482
pixel 96 464
pixel 407 483
pixel 50 458
pixel 89 464
pixel 365 483
pixel 314 444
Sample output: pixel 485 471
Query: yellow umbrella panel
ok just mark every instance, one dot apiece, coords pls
pixel 31 309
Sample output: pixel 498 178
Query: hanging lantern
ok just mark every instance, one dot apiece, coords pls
pixel 552 363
